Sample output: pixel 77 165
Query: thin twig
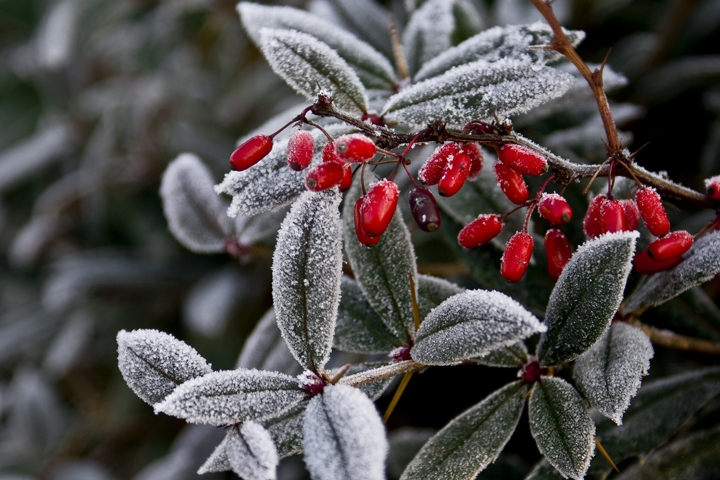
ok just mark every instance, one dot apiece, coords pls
pixel 669 339
pixel 396 398
pixel 382 373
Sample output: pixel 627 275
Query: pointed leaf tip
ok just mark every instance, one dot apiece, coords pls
pixel 251 452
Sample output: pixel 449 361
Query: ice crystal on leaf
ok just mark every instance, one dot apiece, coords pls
pixel 609 374
pixel 265 349
pixel 432 291
pixel 477 91
pixel 344 436
pixel 471 324
pixel 307 267
pixel 429 32
pixel 512 356
pixel 154 363
pixel 367 20
pixel 233 396
pixel 287 430
pixel 251 452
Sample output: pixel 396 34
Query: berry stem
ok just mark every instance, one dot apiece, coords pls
pixel 313 124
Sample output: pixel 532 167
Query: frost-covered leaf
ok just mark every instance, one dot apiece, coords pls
pixel 373 390
pixel 251 452
pixel 265 349
pixel 383 271
pixel 510 41
pixel 287 430
pixel 310 66
pixel 586 297
pixel 471 324
pixel 405 443
pixel 154 363
pixel 307 267
pixel 344 436
pixel 561 426
pixel 432 291
pixel 699 265
pixel 512 356
pixel 358 328
pixel 372 67
pixel 195 215
pixel 472 440
pixel 609 374
pixel 271 184
pixel 233 396
pixel 428 33
pixel 477 91
pixel 261 227
pixel 218 460
pixel 369 21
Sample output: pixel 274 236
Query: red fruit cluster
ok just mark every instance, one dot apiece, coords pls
pixel 664 253
pixel 333 171
pixel 450 165
pixel 375 210
pixel 251 152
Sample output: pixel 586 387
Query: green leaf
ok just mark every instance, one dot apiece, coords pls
pixel 512 356
pixel 383 271
pixel 700 264
pixel 609 374
pixel 586 297
pixel 405 443
pixel 561 426
pixel 432 291
pixel 471 441
pixel 286 430
pixel 428 33
pixel 370 22
pixel 309 66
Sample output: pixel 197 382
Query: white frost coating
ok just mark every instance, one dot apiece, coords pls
pixel 271 184
pixel 265 348
pixel 478 90
pixel 310 66
pixel 251 452
pixel 510 41
pixel 561 426
pixel 472 324
pixel 367 19
pixel 344 436
pixel 218 460
pixel 154 363
pixel 233 396
pixel 195 215
pixel 306 270
pixel 373 68
pixel 432 291
pixel 609 374
pixel 428 33
pixel 287 430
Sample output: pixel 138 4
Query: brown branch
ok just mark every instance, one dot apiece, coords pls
pixel 670 339
pixel 382 373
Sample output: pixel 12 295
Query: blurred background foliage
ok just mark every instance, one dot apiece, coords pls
pixel 97 96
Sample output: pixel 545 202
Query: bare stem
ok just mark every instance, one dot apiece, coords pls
pixel 382 373
pixel 669 339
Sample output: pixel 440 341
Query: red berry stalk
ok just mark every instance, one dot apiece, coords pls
pixel 480 231
pixel 516 258
pixel 251 152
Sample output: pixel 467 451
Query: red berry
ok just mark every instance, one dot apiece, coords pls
pixel 511 183
pixel 378 207
pixel 554 208
pixel 712 186
pixel 433 168
pixel 480 231
pixel 473 151
pixel 613 217
pixel 558 253
pixel 644 265
pixel 346 181
pixel 324 176
pixel 363 237
pixel 522 159
pixel 592 223
pixel 355 148
pixel 300 150
pixel 424 209
pixel 652 211
pixel 632 214
pixel 670 246
pixel 516 258
pixel 329 154
pixel 454 176
pixel 251 152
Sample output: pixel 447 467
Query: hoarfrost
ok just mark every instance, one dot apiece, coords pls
pixel 287 430
pixel 265 348
pixel 373 390
pixel 233 396
pixel 307 267
pixel 429 32
pixel 154 363
pixel 432 291
pixel 609 374
pixel 512 356
pixel 251 452
pixel 368 20
pixel 471 324
pixel 344 436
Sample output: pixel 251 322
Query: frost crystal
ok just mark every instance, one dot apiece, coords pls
pixel 195 215
pixel 307 267
pixel 154 363
pixel 251 452
pixel 609 374
pixel 512 356
pixel 477 91
pixel 471 324
pixel 265 348
pixel 432 291
pixel 429 32
pixel 344 436
pixel 228 397
pixel 287 430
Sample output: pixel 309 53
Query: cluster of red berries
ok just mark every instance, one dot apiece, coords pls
pixel 450 165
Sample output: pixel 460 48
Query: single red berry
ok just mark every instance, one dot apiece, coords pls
pixel 454 176
pixel 474 151
pixel 329 154
pixel 424 209
pixel 363 237
pixel 558 253
pixel 378 207
pixel 511 183
pixel 355 148
pixel 670 246
pixel 346 181
pixel 652 211
pixel 324 176
pixel 554 208
pixel 593 223
pixel 632 214
pixel 516 258
pixel 251 152
pixel 613 217
pixel 300 150
pixel 531 372
pixel 480 231
pixel 433 168
pixel 712 186
pixel 522 159
pixel 644 265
